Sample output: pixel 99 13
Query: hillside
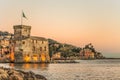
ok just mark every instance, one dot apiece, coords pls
pixel 66 50
pixel 70 51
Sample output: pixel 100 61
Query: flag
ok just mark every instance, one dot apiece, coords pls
pixel 23 15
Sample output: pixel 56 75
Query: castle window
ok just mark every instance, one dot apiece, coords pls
pixel 28 55
pixel 33 48
pixel 23 42
pixel 10 42
pixel 45 48
pixel 36 41
pixel 42 42
pixel 40 48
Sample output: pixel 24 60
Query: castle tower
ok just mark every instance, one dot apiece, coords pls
pixel 29 48
pixel 21 41
pixel 21 31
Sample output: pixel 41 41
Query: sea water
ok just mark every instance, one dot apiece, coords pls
pixel 107 69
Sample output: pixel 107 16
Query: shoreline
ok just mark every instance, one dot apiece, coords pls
pixel 13 74
pixel 57 61
pixel 54 61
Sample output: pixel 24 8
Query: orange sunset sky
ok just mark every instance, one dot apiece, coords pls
pixel 77 22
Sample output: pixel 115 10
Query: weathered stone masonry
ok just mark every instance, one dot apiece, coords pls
pixel 29 48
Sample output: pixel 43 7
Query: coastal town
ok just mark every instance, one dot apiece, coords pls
pixel 22 47
pixel 59 40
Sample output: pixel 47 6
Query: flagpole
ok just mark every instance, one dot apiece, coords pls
pixel 21 18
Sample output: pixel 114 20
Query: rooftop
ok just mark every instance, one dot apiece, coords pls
pixel 38 38
pixel 21 26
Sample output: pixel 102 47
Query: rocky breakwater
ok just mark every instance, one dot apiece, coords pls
pixel 12 74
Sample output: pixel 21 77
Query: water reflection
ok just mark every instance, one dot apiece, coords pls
pixel 12 65
pixel 85 70
pixel 28 66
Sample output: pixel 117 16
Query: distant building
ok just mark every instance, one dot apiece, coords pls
pixel 86 54
pixel 29 48
pixel 56 55
pixel 6 40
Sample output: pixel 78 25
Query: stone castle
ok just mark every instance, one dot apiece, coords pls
pixel 23 47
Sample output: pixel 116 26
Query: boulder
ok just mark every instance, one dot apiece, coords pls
pixel 12 74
